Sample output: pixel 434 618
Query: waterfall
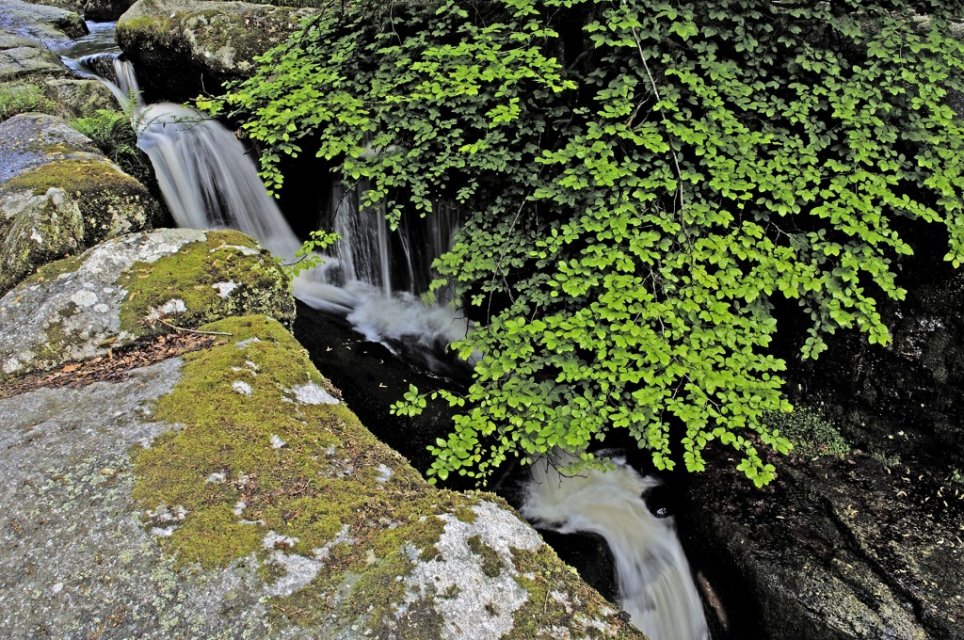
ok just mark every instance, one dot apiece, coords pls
pixel 208 180
pixel 653 576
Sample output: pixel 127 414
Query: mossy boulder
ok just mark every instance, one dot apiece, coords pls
pixel 229 493
pixel 132 287
pixel 59 194
pixel 74 98
pixel 208 42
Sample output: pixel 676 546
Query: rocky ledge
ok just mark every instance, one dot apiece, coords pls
pixel 207 41
pixel 207 481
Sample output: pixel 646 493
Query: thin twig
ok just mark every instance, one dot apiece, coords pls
pixel 197 331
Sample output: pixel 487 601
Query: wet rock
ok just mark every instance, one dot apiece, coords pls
pixel 844 549
pixel 131 287
pixel 207 41
pixel 50 26
pixel 59 194
pixel 23 57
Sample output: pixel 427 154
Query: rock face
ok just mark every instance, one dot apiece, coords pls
pixel 21 57
pixel 208 42
pixel 51 26
pixel 59 195
pixel 227 492
pixel 835 549
pixel 130 287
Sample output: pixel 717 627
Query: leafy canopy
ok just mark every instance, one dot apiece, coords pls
pixel 641 182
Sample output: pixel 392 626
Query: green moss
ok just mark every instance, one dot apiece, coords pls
pixel 23 97
pixel 540 572
pixel 76 176
pixel 810 432
pixel 189 275
pixel 214 537
pixel 491 563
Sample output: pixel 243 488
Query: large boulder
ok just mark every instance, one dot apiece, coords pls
pixel 134 286
pixel 851 548
pixel 208 42
pixel 210 483
pixel 59 194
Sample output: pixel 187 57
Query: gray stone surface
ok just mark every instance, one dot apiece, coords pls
pixel 834 550
pixel 30 140
pixel 51 26
pixel 76 315
pixel 27 60
pixel 77 560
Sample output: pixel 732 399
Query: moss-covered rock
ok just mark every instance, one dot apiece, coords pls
pixel 130 287
pixel 229 493
pixel 351 542
pixel 208 42
pixel 59 194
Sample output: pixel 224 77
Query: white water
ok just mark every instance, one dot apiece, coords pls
pixel 653 576
pixel 209 181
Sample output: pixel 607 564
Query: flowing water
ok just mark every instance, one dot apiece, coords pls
pixel 210 181
pixel 653 576
pixel 373 278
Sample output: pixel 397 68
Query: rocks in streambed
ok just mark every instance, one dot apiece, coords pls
pixel 47 25
pixel 59 195
pixel 207 41
pixel 134 286
pixel 228 492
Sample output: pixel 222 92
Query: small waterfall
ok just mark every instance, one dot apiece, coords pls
pixel 655 585
pixel 209 181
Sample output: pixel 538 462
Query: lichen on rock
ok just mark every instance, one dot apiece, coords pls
pixel 346 549
pixel 114 294
pixel 59 194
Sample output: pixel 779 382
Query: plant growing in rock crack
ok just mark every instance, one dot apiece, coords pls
pixel 642 183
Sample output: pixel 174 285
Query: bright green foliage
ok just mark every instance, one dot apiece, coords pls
pixel 308 255
pixel 641 182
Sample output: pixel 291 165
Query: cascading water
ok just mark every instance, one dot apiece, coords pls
pixel 209 181
pixel 653 576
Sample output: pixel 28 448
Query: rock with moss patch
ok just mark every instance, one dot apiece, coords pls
pixel 208 42
pixel 221 494
pixel 60 194
pixel 135 286
pixel 73 97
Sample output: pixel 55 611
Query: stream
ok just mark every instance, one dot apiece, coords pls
pixel 361 311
